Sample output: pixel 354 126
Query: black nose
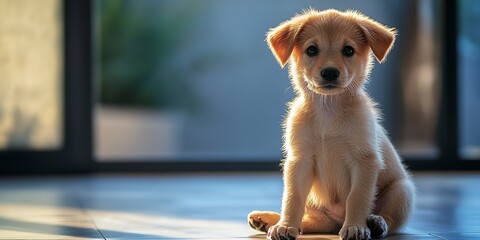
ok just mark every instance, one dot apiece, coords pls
pixel 330 74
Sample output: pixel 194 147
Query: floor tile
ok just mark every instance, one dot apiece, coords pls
pixel 335 237
pixel 39 210
pixel 201 206
pixel 319 237
pixel 131 226
pixel 46 228
pixel 210 238
pixel 458 236
pixel 413 237
pixel 48 234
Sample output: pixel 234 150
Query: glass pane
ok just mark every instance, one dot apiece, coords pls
pixel 31 65
pixel 187 79
pixel 469 83
pixel 419 84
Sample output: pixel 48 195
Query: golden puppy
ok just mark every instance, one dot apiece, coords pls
pixel 341 173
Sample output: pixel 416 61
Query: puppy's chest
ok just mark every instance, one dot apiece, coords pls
pixel 333 138
pixel 325 124
pixel 332 152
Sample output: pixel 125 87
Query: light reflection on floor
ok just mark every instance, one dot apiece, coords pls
pixel 200 207
pixel 62 221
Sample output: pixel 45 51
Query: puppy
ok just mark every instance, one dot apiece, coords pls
pixel 341 173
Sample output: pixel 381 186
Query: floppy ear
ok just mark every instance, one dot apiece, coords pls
pixel 379 38
pixel 281 40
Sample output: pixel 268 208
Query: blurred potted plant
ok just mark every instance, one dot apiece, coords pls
pixel 141 90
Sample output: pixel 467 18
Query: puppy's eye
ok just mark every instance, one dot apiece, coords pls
pixel 312 51
pixel 348 51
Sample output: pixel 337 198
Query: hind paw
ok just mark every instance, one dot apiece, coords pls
pixel 262 221
pixel 377 225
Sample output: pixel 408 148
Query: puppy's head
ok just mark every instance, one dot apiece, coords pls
pixel 329 51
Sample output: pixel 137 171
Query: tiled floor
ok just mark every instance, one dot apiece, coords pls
pixel 200 206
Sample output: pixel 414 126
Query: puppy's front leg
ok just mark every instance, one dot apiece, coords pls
pixel 298 177
pixel 360 199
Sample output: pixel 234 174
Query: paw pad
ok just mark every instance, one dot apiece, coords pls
pixel 258 224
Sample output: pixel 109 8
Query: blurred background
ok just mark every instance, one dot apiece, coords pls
pixel 194 81
pixel 31 68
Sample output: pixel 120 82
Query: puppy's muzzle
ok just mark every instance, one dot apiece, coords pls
pixel 329 75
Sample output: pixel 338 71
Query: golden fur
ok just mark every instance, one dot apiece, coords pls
pixel 341 172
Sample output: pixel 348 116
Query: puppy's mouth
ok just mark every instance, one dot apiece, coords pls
pixel 319 86
pixel 329 86
pixel 325 89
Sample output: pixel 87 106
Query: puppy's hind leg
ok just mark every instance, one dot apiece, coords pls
pixel 393 207
pixel 262 220
pixel 316 221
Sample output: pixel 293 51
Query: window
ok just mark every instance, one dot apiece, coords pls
pixel 189 80
pixel 186 85
pixel 469 84
pixel 45 86
pixel 31 70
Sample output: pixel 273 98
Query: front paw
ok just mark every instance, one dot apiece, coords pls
pixel 282 232
pixel 355 233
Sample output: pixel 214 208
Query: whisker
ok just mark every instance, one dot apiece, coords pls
pixel 288 88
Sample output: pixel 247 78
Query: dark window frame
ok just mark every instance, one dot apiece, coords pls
pixel 77 153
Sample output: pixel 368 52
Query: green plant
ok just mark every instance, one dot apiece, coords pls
pixel 136 46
